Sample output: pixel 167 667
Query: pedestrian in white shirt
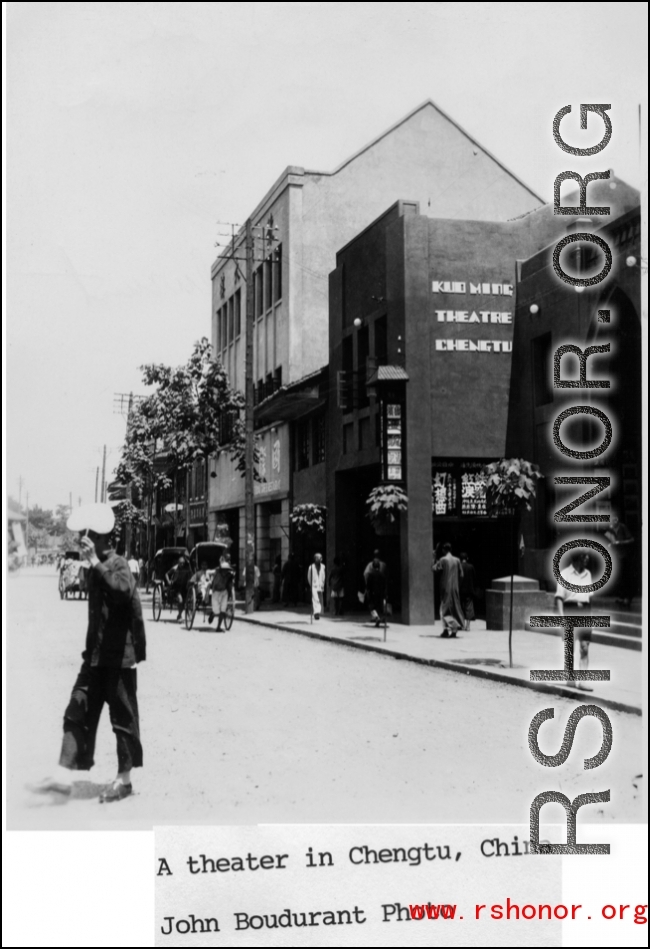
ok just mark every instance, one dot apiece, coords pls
pixel 316 584
pixel 577 574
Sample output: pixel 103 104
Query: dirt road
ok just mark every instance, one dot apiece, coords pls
pixel 259 725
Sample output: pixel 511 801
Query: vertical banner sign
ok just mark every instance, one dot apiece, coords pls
pixel 392 440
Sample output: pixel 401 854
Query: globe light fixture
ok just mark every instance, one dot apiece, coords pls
pixel 630 261
pixel 534 308
pixel 358 322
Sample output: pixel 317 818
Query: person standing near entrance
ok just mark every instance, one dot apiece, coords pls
pixel 578 574
pixel 336 585
pixel 467 589
pixel 290 581
pixel 376 556
pixel 620 537
pixel 277 579
pixel 376 588
pixel 451 611
pixel 115 643
pixel 316 584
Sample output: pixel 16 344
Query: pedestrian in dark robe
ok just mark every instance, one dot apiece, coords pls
pixel 115 642
pixel 376 587
pixel 277 579
pixel 467 589
pixel 290 581
pixel 337 586
pixel 451 611
pixel 620 537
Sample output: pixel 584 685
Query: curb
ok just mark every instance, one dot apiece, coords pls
pixel 458 667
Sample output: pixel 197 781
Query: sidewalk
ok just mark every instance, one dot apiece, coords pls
pixel 479 652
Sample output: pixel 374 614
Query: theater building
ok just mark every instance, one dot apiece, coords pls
pixel 300 224
pixel 424 330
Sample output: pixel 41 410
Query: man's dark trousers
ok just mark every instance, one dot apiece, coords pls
pixel 96 685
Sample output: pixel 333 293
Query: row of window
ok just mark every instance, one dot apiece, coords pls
pixel 267 289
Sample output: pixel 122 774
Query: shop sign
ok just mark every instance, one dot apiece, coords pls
pixel 458 488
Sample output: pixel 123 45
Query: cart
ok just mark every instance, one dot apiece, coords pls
pixel 163 596
pixel 73 576
pixel 199 596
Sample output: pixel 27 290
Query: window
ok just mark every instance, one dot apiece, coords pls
pixel 230 308
pixel 219 332
pixel 259 298
pixel 542 369
pixel 303 445
pixel 381 341
pixel 319 439
pixel 277 274
pixel 237 306
pixel 268 283
pixel 363 351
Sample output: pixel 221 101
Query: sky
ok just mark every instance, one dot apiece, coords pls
pixel 134 128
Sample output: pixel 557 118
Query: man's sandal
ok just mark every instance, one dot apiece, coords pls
pixel 116 792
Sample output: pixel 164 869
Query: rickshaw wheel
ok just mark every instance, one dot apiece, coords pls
pixel 230 615
pixel 156 603
pixel 190 607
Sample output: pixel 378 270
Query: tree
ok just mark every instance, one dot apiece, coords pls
pixel 510 485
pixel 192 413
pixel 41 519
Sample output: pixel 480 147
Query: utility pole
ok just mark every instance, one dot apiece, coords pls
pixel 103 497
pixel 249 498
pixel 129 495
pixel 97 485
pixel 27 522
pixel 70 496
pixel 20 490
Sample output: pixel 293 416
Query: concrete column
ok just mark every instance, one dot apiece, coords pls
pixel 416 527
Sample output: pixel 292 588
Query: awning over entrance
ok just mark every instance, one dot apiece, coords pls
pixel 292 401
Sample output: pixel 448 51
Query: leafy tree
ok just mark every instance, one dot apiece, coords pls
pixel 192 413
pixel 510 485
pixel 41 519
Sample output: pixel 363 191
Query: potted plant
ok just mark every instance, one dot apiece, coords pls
pixel 385 502
pixel 308 518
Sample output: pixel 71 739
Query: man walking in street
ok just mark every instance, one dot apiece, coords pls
pixel 115 642
pixel 376 592
pixel 451 611
pixel 577 574
pixel 316 584
pixel 222 583
pixel 467 589
pixel 178 579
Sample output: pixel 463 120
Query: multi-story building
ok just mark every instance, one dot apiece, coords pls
pixel 310 215
pixel 426 323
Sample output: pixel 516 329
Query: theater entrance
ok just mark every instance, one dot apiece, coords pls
pixel 488 545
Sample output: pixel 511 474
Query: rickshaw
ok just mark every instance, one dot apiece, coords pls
pixel 199 596
pixel 73 576
pixel 163 596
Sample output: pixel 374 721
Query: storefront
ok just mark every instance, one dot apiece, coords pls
pixel 271 492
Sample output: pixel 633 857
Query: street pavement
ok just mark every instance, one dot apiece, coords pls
pixel 262 725
pixel 479 651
